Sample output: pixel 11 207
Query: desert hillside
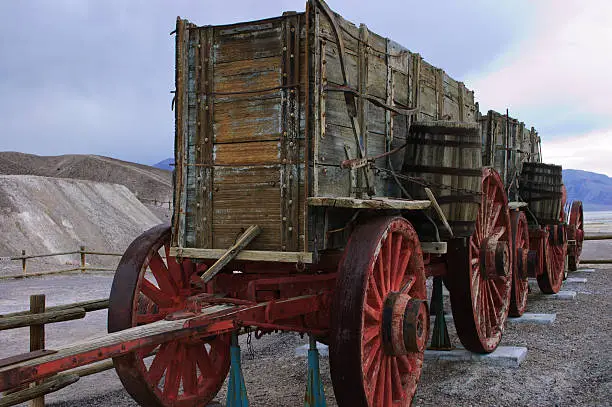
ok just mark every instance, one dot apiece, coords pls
pixel 45 215
pixel 145 181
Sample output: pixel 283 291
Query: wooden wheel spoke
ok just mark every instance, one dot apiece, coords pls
pixel 372 354
pixel 190 373
pixel 388 382
pixel 370 332
pixel 172 380
pixel 397 391
pixel 175 270
pixel 396 272
pixel 374 291
pixel 203 361
pixel 405 257
pixel 155 294
pixel 160 362
pixel 497 208
pixel 160 272
pixel 382 281
pixel 388 257
pixel 492 307
pixel 371 312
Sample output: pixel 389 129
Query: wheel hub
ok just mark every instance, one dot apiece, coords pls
pixel 405 324
pixel 494 255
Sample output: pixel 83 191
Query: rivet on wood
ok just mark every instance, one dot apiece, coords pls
pixel 291 56
pixel 284 218
pixel 199 123
pixel 206 107
pixel 204 218
pixel 284 161
pixel 284 48
pixel 285 133
pixel 284 74
pixel 291 144
pixel 292 29
pixel 198 100
pixel 290 201
pixel 206 139
pixel 292 114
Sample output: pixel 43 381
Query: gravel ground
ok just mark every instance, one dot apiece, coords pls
pixel 567 364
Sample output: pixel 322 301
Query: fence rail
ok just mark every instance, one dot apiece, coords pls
pixel 83 267
pixel 36 318
pixel 596 261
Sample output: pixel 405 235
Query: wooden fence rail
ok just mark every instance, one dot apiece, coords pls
pixel 596 261
pixel 36 318
pixel 83 267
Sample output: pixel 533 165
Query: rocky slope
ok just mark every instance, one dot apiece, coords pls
pixel 46 215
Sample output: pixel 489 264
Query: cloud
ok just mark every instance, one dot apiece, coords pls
pixel 589 152
pixel 562 66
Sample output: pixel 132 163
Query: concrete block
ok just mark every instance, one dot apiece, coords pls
pixel 562 295
pixel 506 356
pixel 586 270
pixel 302 351
pixel 571 280
pixel 529 318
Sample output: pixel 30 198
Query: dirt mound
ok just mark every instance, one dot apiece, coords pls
pixel 145 181
pixel 46 215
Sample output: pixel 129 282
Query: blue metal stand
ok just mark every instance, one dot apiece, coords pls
pixel 236 390
pixel 315 395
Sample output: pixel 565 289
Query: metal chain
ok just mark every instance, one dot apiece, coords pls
pixel 426 183
pixel 250 344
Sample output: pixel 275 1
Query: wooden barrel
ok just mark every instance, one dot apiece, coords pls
pixel 446 157
pixel 541 186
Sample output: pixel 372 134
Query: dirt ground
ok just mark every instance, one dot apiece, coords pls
pixel 568 363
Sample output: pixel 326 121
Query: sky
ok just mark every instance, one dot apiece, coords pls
pixel 94 76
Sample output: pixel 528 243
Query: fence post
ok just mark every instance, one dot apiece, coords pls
pixel 37 336
pixel 23 261
pixel 82 259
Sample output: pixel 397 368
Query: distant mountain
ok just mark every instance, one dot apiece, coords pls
pixel 145 181
pixel 593 189
pixel 167 164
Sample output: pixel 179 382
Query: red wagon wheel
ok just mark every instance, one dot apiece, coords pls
pixel 182 373
pixel 380 318
pixel 480 286
pixel 520 249
pixel 555 252
pixel 575 232
pixel 551 279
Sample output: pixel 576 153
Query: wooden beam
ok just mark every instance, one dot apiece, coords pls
pixel 432 198
pixel 374 203
pixel 88 306
pixel 251 233
pixel 516 205
pixel 245 255
pixel 42 318
pixel 107 346
pixel 48 386
pixel 434 247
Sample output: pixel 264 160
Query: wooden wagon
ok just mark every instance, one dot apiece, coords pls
pixel 323 172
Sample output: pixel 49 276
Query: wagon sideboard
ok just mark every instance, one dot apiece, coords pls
pixel 267 111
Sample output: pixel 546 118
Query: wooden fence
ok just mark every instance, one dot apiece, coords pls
pixel 83 267
pixel 597 261
pixel 36 318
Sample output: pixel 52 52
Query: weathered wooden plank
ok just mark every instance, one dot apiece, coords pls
pixel 42 318
pixel 48 386
pixel 374 203
pixel 240 154
pixel 251 233
pixel 247 75
pixel 246 255
pixel 256 118
pixel 261 41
